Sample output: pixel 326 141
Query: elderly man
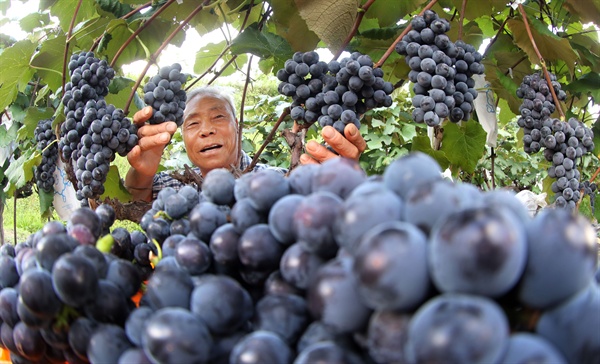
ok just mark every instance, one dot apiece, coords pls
pixel 210 135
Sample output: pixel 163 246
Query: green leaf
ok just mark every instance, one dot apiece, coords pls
pixel 21 170
pixel 16 72
pixel 116 35
pixel 423 144
pixel 482 7
pixel 86 32
pixel 46 199
pixel 204 21
pixel 386 11
pixel 33 21
pixel 207 55
pixel 289 24
pixel 119 99
pixel 408 131
pixel 551 47
pixel 49 61
pixel 8 136
pixel 115 7
pixel 589 49
pixel 587 10
pixel 113 187
pixel 464 145
pixel 154 34
pixel 64 11
pixel 331 20
pixel 120 83
pixel 586 85
pixel 472 34
pixel 32 116
pixel 262 44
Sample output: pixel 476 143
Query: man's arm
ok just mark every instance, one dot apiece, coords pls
pixel 145 157
pixel 351 146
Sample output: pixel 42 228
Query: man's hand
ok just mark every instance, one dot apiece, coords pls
pixel 145 157
pixel 350 146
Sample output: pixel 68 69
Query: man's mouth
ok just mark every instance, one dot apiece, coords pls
pixel 210 147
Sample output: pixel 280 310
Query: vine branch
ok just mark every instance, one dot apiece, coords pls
pixel 65 56
pixel 132 12
pixel 542 62
pixel 269 138
pixel 461 19
pixel 241 121
pixel 361 13
pixel 138 31
pixel 500 30
pixel 159 50
pixel 389 51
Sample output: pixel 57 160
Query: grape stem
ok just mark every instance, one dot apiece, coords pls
pixel 389 51
pixel 361 13
pixel 461 19
pixel 155 55
pixel 241 120
pixel 138 31
pixel 542 62
pixel 269 138
pixel 64 71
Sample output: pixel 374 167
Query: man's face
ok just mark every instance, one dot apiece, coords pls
pixel 210 133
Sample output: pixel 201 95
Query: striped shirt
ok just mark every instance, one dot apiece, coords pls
pixel 164 179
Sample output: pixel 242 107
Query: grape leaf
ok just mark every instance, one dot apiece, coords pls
pixel 586 85
pixel 16 72
pixel 423 144
pixel 32 116
pixel 483 7
pixel 289 25
pixel 207 55
pixel 114 188
pixel 589 49
pixel 587 10
pixel 86 32
pixel 33 21
pixel 21 170
pixel 386 11
pixel 464 145
pixel 8 136
pixel 262 44
pixel 49 61
pixel 551 47
pixel 65 10
pixel 331 20
pixel 46 199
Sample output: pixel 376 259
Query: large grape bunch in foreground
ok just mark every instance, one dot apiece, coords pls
pixel 324 265
pixel 93 131
pixel 335 93
pixel 563 142
pixel 441 71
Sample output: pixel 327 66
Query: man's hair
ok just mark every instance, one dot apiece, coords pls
pixel 212 91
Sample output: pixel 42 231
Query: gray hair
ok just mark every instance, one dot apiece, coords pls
pixel 213 91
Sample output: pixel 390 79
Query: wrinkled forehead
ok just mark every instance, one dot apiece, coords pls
pixel 205 103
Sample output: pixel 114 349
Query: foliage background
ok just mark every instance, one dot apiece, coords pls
pixel 270 31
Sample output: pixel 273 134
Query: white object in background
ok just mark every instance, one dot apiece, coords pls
pixel 65 200
pixel 532 201
pixel 485 107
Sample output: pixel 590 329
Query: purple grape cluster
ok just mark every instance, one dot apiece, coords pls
pixel 45 137
pixel 335 93
pixel 93 131
pixel 563 143
pixel 165 94
pixel 441 71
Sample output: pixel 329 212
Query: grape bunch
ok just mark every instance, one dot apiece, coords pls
pixel 165 94
pixel 307 268
pixel 45 139
pixel 335 93
pixel 563 142
pixel 94 131
pixel 536 108
pixel 441 71
pixel 90 78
